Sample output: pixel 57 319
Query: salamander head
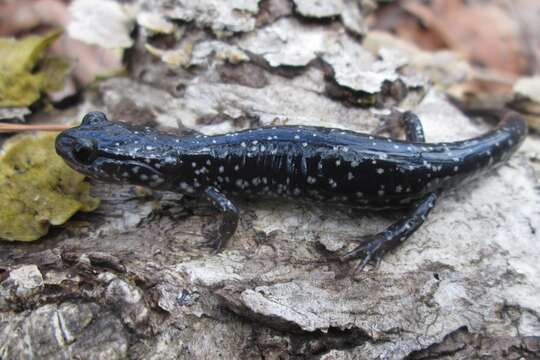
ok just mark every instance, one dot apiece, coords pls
pixel 112 151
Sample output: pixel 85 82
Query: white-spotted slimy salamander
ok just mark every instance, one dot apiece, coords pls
pixel 322 164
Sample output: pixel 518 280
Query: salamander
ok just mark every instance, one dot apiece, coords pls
pixel 302 162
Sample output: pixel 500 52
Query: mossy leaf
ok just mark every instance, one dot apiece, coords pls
pixel 37 188
pixel 53 70
pixel 25 72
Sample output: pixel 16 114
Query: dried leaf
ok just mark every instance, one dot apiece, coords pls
pixel 486 34
pixel 496 46
pixel 527 99
pixel 105 23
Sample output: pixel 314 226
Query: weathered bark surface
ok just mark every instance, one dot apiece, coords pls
pixel 131 280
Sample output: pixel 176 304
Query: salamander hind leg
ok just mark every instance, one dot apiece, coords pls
pixel 373 247
pixel 229 222
pixel 396 122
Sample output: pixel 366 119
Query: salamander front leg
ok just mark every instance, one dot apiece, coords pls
pixel 408 121
pixel 230 218
pixel 373 247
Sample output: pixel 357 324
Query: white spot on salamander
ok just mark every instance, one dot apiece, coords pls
pixel 185 186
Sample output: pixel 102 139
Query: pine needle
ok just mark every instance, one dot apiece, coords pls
pixel 12 128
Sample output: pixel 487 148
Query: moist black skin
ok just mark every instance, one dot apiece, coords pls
pixel 313 163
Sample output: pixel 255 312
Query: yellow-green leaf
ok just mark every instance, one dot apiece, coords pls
pixel 37 188
pixel 25 71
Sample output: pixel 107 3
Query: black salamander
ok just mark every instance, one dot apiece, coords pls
pixel 315 163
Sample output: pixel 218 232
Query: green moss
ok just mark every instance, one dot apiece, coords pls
pixel 37 188
pixel 25 72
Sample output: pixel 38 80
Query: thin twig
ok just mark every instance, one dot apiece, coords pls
pixel 8 128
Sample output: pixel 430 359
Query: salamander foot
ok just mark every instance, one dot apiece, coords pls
pixel 373 247
pixel 396 122
pixel 229 222
pixel 370 248
pixel 215 242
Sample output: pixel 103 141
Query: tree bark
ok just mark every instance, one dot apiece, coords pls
pixel 131 280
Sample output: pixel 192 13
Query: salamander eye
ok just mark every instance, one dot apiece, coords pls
pixel 84 151
pixel 94 118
